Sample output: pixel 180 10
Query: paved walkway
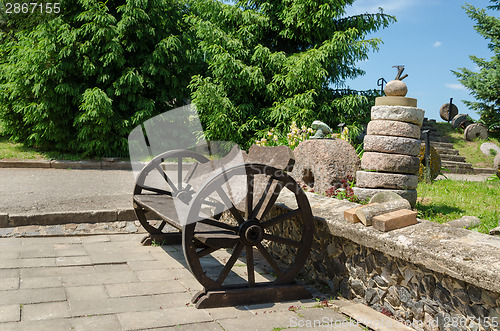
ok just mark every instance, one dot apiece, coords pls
pixel 111 282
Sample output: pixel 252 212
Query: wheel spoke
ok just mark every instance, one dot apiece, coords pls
pixel 280 240
pixel 164 175
pixel 272 200
pixel 179 172
pixel 232 260
pixel 205 251
pixel 270 260
pixel 250 266
pixel 249 200
pixel 162 225
pixel 280 218
pixel 221 225
pixel 263 197
pixel 230 205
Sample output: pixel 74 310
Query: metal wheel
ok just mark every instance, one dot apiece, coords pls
pixel 156 179
pixel 213 245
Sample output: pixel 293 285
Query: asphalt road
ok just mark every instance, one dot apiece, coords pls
pixel 26 191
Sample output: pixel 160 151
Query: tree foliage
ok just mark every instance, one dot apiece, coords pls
pixel 484 85
pixel 274 62
pixel 82 80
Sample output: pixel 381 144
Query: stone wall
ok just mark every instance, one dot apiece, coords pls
pixel 432 275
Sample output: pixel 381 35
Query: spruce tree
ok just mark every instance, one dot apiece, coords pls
pixel 271 62
pixel 484 84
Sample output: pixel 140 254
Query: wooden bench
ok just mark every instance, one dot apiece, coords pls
pixel 224 205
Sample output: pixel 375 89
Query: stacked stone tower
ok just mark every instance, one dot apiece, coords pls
pixel 392 145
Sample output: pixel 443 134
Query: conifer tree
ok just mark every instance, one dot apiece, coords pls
pixel 271 62
pixel 484 84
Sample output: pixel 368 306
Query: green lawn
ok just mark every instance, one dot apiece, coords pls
pixel 447 200
pixel 469 149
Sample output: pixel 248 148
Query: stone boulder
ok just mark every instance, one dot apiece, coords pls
pixel 323 163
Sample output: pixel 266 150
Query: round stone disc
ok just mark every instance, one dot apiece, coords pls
pixel 393 145
pixel 443 111
pixel 395 163
pixel 458 120
pixel 475 131
pixel 372 179
pixel 393 128
pixel 398 113
pixel 367 193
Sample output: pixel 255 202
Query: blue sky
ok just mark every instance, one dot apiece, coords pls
pixel 431 38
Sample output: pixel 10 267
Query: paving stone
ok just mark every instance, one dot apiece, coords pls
pixel 398 113
pixel 43 311
pixel 80 308
pixel 9 273
pixel 393 145
pixel 51 324
pixel 40 282
pixel 10 313
pixel 11 283
pixel 205 326
pixel 33 263
pixel 71 251
pixel 86 292
pixel 268 321
pixel 229 312
pixel 164 317
pixel 173 300
pixel 98 278
pixel 112 267
pixel 106 322
pixel 145 265
pixel 65 261
pixel 9 255
pixel 27 296
pixel 154 275
pixel 144 288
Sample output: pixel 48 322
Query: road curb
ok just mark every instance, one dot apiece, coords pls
pixel 57 218
pixel 64 164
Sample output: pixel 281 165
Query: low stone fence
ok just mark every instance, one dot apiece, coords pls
pixel 431 275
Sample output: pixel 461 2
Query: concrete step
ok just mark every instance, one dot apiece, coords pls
pixel 457 167
pixel 484 171
pixel 437 144
pixel 446 151
pixel 455 158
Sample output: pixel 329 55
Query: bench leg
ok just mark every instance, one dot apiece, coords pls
pixel 250 296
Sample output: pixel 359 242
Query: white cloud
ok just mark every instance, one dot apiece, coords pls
pixel 455 86
pixel 370 6
pixel 437 44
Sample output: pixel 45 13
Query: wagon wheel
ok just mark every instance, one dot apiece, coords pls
pixel 250 229
pixel 168 185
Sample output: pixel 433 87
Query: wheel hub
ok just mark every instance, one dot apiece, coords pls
pixel 251 232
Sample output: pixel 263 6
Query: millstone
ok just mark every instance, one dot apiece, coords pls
pixel 370 179
pixel 393 145
pixel 489 149
pixel 445 113
pixel 393 128
pixel 395 101
pixel 475 131
pixel 398 113
pixel 496 164
pixel 367 193
pixel 396 163
pixel 458 120
pixel 434 163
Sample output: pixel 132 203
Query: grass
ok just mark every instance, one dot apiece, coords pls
pixel 446 200
pixel 469 149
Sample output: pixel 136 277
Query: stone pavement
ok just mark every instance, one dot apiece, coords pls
pixel 111 282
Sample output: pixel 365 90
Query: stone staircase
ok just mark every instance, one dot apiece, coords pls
pixel 450 159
